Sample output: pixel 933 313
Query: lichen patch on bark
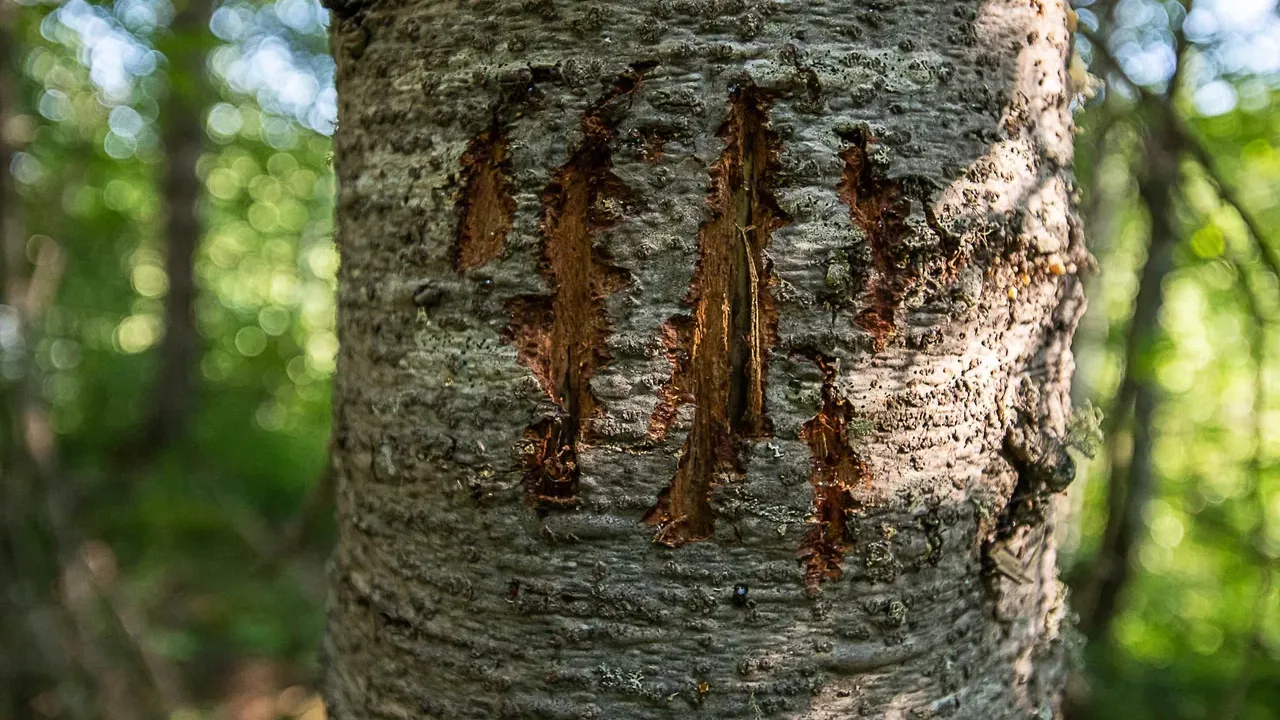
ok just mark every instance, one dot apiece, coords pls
pixel 837 473
pixel 719 353
pixel 561 336
pixel 486 206
pixel 880 207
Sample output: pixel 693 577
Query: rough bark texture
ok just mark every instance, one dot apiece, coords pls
pixel 701 359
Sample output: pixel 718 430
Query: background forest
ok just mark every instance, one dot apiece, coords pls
pixel 167 342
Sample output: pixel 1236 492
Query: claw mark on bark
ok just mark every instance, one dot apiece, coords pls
pixel 837 473
pixel 485 205
pixel 561 336
pixel 879 206
pixel 719 353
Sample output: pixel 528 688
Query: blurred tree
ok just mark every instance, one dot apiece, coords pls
pixel 1182 549
pixel 140 604
pixel 183 136
pixel 881 268
pixel 28 553
pixel 39 611
pixel 1133 476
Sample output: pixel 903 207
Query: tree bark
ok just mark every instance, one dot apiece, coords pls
pixel 701 358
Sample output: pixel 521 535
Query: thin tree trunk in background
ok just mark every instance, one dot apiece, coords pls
pixel 58 659
pixel 8 113
pixel 25 566
pixel 182 132
pixel 33 511
pixel 1133 478
pixel 14 603
pixel 701 359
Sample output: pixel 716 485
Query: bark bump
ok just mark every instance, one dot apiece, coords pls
pixel 880 207
pixel 719 353
pixel 561 336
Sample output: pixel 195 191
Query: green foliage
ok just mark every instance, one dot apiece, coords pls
pixel 192 533
pixel 1197 601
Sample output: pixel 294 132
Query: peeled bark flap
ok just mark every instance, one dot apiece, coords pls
pixel 680 346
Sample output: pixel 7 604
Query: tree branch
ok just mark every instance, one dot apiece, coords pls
pixel 1187 141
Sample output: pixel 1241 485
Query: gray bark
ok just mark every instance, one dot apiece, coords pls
pixel 701 358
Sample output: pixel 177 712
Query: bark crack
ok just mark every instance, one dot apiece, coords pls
pixel 880 207
pixel 837 473
pixel 561 336
pixel 719 353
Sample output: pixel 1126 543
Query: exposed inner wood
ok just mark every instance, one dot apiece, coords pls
pixel 879 206
pixel 485 206
pixel 561 336
pixel 719 353
pixel 837 472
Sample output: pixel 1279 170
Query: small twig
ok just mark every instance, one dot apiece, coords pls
pixel 46 278
pixel 158 673
pixel 1230 196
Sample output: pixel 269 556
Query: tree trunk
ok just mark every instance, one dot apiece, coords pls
pixel 701 359
pixel 182 131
